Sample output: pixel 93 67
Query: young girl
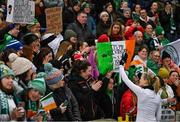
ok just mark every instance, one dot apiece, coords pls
pixel 116 32
pixel 104 24
pixel 8 100
pixel 36 89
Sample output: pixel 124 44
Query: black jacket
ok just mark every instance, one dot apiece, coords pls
pixel 72 112
pixel 83 33
pixel 102 28
pixel 86 98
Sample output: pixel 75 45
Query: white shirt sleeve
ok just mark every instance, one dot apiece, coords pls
pixel 136 89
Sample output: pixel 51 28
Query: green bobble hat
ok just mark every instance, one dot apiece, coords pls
pixel 85 5
pixel 38 84
pixel 5 71
pixel 35 21
pixel 159 30
pixel 69 33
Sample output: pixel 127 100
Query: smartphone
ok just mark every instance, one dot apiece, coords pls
pixel 65 103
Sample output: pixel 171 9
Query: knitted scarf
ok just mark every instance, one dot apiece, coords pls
pixel 164 93
pixel 116 37
pixel 4 103
pixel 31 108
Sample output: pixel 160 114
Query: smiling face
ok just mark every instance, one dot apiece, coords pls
pixel 7 82
pixel 149 29
pixel 116 29
pixel 174 76
pixel 143 54
pixel 86 73
pixel 156 56
pixel 34 95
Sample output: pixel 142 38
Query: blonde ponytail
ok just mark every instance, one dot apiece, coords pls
pixel 156 84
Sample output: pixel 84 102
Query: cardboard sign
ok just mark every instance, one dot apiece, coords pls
pixel 54 20
pixel 20 11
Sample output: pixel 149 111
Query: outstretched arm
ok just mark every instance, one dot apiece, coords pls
pixel 136 89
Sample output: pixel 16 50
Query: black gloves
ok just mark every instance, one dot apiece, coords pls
pixel 124 58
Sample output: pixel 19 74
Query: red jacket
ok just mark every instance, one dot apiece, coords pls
pixel 128 104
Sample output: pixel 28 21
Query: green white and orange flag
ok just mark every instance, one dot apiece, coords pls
pixel 48 102
pixel 109 54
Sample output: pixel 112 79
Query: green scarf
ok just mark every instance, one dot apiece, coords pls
pixel 32 105
pixel 4 103
pixel 164 93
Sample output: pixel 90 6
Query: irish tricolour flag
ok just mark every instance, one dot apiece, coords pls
pixel 109 54
pixel 48 102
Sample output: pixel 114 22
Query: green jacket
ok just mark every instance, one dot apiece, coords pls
pixel 164 41
pixel 153 66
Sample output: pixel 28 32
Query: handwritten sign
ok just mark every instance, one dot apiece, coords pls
pixel 54 20
pixel 20 11
pixel 118 48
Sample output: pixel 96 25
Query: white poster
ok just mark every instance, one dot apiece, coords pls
pixel 118 48
pixel 20 11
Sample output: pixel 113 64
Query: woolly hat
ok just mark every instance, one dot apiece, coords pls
pixel 5 71
pixel 38 84
pixel 53 75
pixel 78 56
pixel 159 31
pixel 68 34
pixel 85 5
pixel 29 38
pixel 35 21
pixel 165 55
pixel 163 73
pixel 103 38
pixel 19 64
pixel 129 22
pixel 14 44
pixel 103 13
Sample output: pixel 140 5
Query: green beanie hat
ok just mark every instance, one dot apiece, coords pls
pixel 163 73
pixel 35 21
pixel 5 71
pixel 68 34
pixel 85 5
pixel 159 31
pixel 38 84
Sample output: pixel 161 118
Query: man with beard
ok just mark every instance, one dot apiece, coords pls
pixel 8 101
